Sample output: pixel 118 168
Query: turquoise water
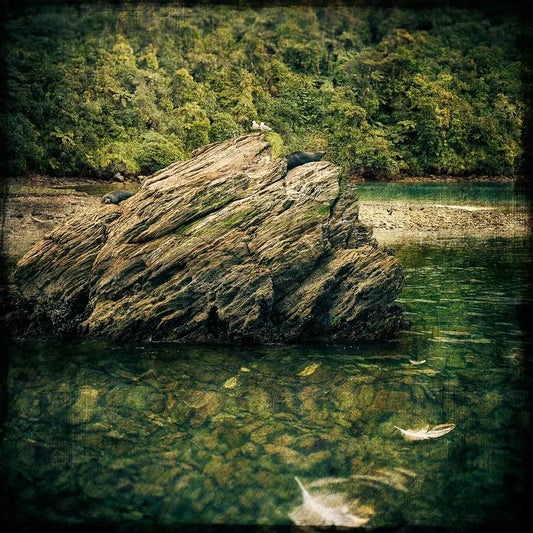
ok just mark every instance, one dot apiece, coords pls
pixel 168 434
pixel 477 193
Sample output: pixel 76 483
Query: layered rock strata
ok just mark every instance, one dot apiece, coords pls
pixel 225 247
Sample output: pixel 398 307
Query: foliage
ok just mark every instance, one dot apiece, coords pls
pixel 276 143
pixel 384 91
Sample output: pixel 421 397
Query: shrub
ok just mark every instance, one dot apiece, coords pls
pixel 223 127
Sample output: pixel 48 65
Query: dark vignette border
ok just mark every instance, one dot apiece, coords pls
pixel 491 8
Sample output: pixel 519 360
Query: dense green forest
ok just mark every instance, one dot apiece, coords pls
pixel 93 91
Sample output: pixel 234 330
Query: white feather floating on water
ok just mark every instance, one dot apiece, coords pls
pixel 425 433
pixel 397 478
pixel 327 510
pixel 328 481
pixel 413 362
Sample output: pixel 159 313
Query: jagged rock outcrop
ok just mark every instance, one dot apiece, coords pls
pixel 225 247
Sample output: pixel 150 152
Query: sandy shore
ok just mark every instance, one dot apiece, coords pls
pixel 402 221
pixel 35 206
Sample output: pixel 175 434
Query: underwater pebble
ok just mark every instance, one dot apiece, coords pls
pixel 287 455
pixel 148 489
pixel 309 370
pixel 284 440
pixel 230 383
pixel 83 409
pixel 259 436
pixel 317 457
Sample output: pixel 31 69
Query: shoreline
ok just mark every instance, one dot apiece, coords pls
pixel 442 179
pixel 396 222
pixel 402 178
pixel 36 204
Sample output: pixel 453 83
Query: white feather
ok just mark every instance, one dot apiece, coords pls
pixel 318 513
pixel 426 433
pixel 396 478
pixel 328 481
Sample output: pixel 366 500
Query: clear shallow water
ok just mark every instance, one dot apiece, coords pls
pixel 104 188
pixel 174 434
pixel 476 193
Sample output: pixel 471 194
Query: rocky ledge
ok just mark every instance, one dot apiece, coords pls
pixel 225 247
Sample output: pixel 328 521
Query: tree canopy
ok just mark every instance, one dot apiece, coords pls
pixel 94 91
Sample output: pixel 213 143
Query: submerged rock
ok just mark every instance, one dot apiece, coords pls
pixel 225 247
pixel 83 410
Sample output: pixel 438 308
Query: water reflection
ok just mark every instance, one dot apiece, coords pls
pixel 218 434
pixel 475 193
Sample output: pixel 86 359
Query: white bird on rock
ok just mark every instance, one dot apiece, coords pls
pixel 255 125
pixel 264 127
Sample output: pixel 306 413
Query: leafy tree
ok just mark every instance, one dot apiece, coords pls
pixel 383 91
pixel 223 127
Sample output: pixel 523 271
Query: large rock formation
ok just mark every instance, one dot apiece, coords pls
pixel 225 247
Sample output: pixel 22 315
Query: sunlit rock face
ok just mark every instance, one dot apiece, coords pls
pixel 225 247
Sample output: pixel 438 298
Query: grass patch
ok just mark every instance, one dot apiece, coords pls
pixel 23 190
pixel 277 146
pixel 319 211
pixel 232 221
pixel 237 218
pixel 336 320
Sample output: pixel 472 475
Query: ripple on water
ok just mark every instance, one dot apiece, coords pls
pixel 104 432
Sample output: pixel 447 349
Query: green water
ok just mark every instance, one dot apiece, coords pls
pixel 477 193
pixel 104 188
pixel 170 434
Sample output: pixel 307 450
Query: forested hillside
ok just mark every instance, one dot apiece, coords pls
pixel 94 91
